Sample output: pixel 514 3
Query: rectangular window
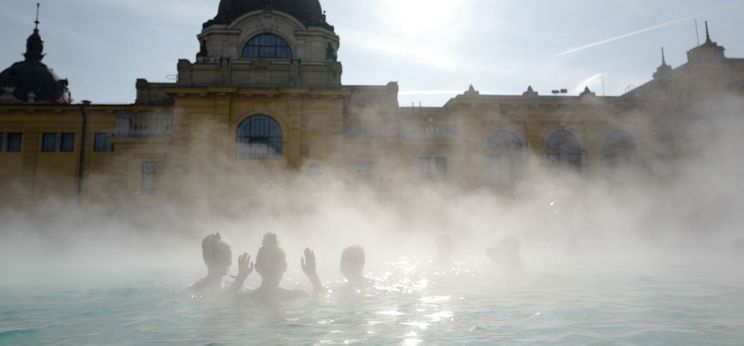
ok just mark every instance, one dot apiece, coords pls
pixel 433 168
pixel 68 142
pixel 49 142
pixel 425 168
pixel 14 142
pixel 574 160
pixel 102 142
pixel 148 177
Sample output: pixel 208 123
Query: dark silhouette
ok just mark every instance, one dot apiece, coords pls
pixel 271 264
pixel 352 267
pixel 218 258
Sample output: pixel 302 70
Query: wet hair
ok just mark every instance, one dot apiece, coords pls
pixel 270 240
pixel 353 254
pixel 270 256
pixel 216 252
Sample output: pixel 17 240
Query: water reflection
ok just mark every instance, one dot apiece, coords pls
pixel 413 305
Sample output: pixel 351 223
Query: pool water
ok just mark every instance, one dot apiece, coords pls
pixel 670 303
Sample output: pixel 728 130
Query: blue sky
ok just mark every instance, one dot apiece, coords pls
pixel 433 48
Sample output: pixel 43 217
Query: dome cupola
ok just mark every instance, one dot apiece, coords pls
pixel 30 81
pixel 307 12
pixel 265 44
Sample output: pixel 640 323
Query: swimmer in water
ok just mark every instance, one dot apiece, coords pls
pixel 271 264
pixel 507 254
pixel 444 251
pixel 218 258
pixel 352 267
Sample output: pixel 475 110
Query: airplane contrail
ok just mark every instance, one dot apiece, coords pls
pixel 638 32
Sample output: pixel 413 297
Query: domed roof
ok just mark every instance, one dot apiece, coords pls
pixel 308 12
pixel 30 81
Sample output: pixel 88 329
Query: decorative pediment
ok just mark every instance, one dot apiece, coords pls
pixel 268 22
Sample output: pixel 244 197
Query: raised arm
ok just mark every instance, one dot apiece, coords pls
pixel 245 268
pixel 309 267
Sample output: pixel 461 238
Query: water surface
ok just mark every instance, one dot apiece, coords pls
pixel 674 303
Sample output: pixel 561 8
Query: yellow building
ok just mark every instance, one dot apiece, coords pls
pixel 265 93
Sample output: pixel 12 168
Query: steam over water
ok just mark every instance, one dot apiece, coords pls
pixel 670 302
pixel 641 258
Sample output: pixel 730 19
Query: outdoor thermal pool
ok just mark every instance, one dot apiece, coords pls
pixel 663 301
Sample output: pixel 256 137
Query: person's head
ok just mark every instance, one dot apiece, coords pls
pixel 271 263
pixel 217 254
pixel 444 246
pixel 352 263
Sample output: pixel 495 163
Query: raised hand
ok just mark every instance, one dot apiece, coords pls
pixel 245 266
pixel 309 267
pixel 308 263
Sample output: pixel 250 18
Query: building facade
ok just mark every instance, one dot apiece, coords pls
pixel 264 93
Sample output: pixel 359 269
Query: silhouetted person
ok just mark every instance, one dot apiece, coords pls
pixel 507 254
pixel 218 258
pixel 271 264
pixel 352 267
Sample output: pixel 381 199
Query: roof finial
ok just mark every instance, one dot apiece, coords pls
pixel 38 5
pixel 707 33
pixel 664 68
pixel 34 43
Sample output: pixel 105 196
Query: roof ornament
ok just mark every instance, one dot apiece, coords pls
pixel 664 68
pixel 203 52
pixel 34 44
pixel 587 93
pixel 38 6
pixel 708 51
pixel 530 92
pixel 471 91
pixel 331 54
pixel 7 97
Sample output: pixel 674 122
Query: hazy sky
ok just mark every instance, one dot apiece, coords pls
pixel 433 48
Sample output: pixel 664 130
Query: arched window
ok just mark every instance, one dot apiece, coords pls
pixel 259 137
pixel 505 160
pixel 562 149
pixel 619 149
pixel 266 46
